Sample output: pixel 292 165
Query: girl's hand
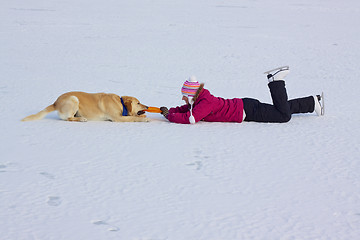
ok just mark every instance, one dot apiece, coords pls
pixel 164 111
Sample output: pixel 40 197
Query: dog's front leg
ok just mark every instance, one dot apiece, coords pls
pixel 77 119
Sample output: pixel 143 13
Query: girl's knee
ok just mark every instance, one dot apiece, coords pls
pixel 286 118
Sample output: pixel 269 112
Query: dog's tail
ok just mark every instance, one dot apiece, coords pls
pixel 40 114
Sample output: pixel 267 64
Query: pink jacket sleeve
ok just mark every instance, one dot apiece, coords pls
pixel 200 111
pixel 179 114
pixel 181 109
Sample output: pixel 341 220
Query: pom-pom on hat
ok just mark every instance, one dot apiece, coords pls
pixel 190 87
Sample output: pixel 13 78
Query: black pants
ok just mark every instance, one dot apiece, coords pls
pixel 281 110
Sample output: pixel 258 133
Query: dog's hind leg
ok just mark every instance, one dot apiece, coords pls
pixel 68 108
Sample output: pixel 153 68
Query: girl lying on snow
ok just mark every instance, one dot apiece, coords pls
pixel 201 105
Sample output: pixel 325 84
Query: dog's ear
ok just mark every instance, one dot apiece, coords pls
pixel 127 103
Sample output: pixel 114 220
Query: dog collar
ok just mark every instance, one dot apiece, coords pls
pixel 125 111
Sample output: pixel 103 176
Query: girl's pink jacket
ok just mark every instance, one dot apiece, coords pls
pixel 208 108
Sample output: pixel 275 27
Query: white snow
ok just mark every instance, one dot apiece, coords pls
pixel 157 180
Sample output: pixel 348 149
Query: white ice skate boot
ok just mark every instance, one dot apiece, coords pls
pixel 319 104
pixel 277 73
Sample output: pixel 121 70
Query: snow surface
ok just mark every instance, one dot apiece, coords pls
pixel 157 180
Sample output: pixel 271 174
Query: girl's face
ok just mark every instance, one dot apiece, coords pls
pixel 186 99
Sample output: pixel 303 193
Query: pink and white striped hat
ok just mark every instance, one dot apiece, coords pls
pixel 190 87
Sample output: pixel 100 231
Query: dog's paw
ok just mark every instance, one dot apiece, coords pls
pixel 77 119
pixel 146 119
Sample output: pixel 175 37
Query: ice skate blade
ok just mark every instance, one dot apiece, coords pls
pixel 279 68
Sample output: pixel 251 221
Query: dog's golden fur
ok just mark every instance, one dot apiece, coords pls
pixel 81 106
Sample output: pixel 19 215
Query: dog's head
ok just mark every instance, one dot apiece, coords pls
pixel 134 107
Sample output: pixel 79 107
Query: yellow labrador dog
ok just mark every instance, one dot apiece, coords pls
pixel 82 106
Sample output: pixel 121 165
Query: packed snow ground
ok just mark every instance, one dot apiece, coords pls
pixel 157 180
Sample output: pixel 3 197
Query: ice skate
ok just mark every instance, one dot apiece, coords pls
pixel 319 104
pixel 277 74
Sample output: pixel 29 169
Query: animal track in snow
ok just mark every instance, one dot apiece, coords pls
pixel 2 168
pixel 3 89
pixel 197 164
pixel 111 228
pixel 199 154
pixel 6 167
pixel 54 201
pixel 47 175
